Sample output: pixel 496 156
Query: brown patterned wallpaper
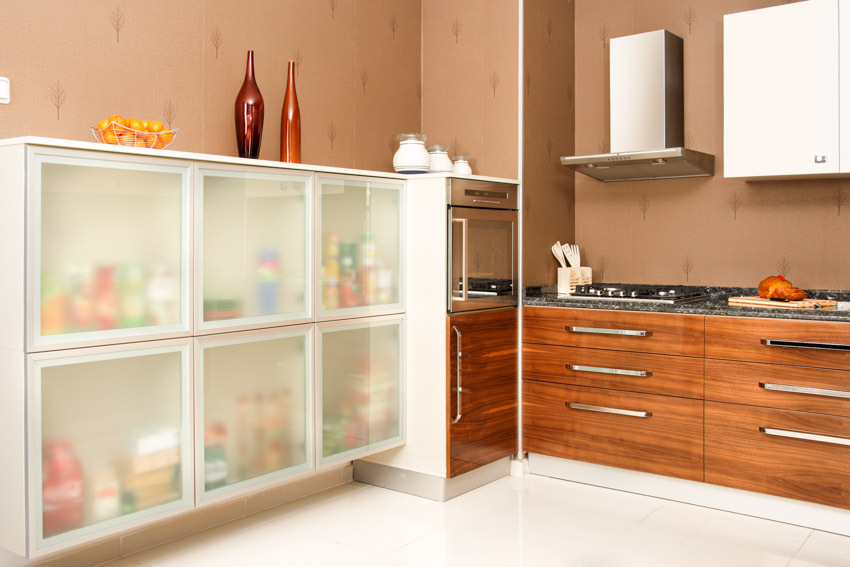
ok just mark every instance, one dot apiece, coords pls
pixel 548 133
pixel 711 231
pixel 72 64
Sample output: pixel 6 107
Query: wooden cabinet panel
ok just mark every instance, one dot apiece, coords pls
pixel 631 371
pixel 745 448
pixel 813 390
pixel 659 333
pixel 668 442
pixel 487 428
pixel 821 344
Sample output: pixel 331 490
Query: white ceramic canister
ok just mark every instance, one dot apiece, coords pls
pixel 440 162
pixel 461 166
pixel 411 156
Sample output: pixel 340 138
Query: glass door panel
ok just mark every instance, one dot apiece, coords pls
pixel 360 387
pixel 360 239
pixel 111 249
pixel 256 417
pixel 255 248
pixel 112 438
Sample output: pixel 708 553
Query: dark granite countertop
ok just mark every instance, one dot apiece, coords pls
pixel 717 304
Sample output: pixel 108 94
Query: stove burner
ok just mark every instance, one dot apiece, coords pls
pixel 632 292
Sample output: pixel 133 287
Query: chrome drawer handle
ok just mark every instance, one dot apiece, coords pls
pixel 601 331
pixel 602 409
pixel 805 390
pixel 807 436
pixel 802 344
pixel 602 370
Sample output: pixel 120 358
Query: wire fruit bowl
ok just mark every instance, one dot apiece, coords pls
pixel 117 134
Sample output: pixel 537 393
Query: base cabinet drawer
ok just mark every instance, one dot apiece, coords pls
pixel 659 333
pixel 630 371
pixel 821 344
pixel 816 390
pixel 643 432
pixel 794 454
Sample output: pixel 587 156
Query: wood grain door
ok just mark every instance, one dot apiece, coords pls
pixel 482 416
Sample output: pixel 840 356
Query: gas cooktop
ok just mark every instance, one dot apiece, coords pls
pixel 638 292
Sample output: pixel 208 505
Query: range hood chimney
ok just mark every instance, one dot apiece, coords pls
pixel 647 114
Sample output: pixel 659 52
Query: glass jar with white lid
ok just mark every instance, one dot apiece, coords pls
pixel 411 156
pixel 440 162
pixel 461 166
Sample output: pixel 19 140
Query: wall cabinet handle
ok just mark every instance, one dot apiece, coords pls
pixel 602 331
pixel 803 344
pixel 457 416
pixel 603 409
pixel 805 390
pixel 807 436
pixel 603 370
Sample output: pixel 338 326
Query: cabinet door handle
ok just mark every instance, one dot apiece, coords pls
pixel 602 331
pixel 805 390
pixel 807 436
pixel 603 409
pixel 602 370
pixel 457 416
pixel 802 344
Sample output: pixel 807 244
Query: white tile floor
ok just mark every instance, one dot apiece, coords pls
pixel 515 521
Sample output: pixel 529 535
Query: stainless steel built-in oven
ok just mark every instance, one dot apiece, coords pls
pixel 482 241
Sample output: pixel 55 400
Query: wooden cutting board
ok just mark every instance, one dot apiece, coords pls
pixel 825 304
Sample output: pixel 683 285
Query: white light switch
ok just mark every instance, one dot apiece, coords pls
pixel 5 90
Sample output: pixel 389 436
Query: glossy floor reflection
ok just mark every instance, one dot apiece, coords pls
pixel 515 521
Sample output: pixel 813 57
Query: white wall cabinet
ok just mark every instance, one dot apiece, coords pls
pixel 160 349
pixel 785 90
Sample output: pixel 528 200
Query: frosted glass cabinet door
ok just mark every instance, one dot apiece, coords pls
pixel 359 238
pixel 109 248
pixel 254 248
pixel 360 387
pixel 110 438
pixel 255 418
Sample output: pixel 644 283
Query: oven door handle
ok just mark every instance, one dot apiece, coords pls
pixel 464 226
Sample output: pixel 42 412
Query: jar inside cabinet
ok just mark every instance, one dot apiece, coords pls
pixel 360 388
pixel 254 248
pixel 109 249
pixel 255 418
pixel 111 439
pixel 360 241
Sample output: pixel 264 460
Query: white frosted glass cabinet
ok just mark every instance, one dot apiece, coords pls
pixel 254 260
pixel 360 239
pixel 164 344
pixel 110 437
pixel 360 385
pixel 255 407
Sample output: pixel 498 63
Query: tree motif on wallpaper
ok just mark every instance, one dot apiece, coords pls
pixel 690 17
pixel 116 18
pixel 494 82
pixel 604 145
pixel 216 38
pixel 604 34
pixel 549 148
pixel 643 204
pixel 549 28
pixel 838 198
pixel 689 139
pixel 169 112
pixel 420 90
pixel 687 266
pixel 299 59
pixel 601 267
pixel 332 134
pixel 735 202
pixel 364 78
pixel 393 25
pixel 332 4
pixel 455 147
pixel 526 203
pixel 457 26
pixel 783 266
pixel 57 96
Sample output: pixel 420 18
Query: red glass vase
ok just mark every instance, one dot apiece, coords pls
pixel 248 113
pixel 290 122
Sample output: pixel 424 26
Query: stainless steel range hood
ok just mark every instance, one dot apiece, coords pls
pixel 647 114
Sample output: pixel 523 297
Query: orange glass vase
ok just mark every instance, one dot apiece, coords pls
pixel 290 122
